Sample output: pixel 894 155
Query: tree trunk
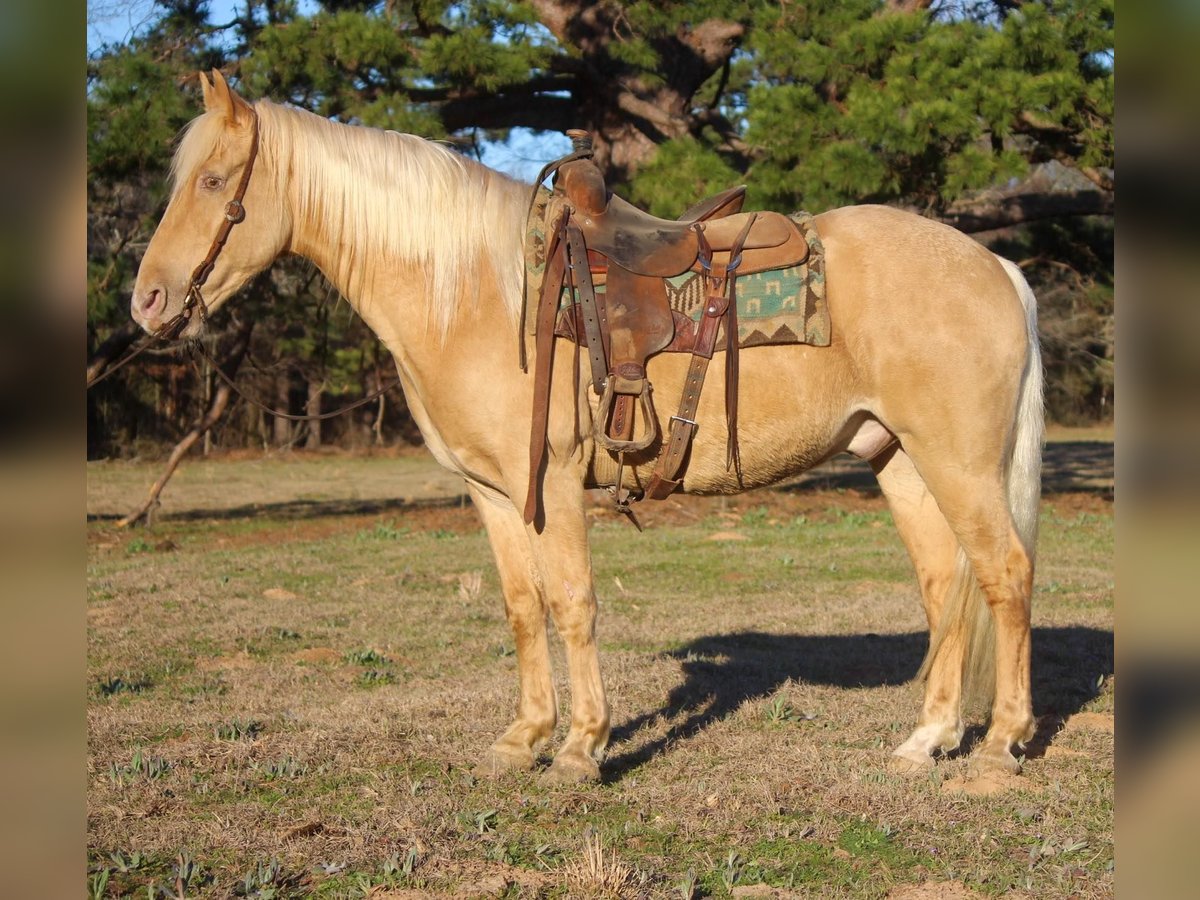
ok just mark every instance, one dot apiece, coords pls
pixel 313 408
pixel 989 212
pixel 377 428
pixel 281 428
pixel 629 113
pixel 208 396
pixel 220 402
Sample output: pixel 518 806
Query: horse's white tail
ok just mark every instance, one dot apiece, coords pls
pixel 966 611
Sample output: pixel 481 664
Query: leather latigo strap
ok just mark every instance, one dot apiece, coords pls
pixel 552 286
pixel 720 307
pixel 733 458
pixel 666 476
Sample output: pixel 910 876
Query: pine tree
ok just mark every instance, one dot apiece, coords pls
pixel 985 113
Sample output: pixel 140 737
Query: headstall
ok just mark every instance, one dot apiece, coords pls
pixel 234 212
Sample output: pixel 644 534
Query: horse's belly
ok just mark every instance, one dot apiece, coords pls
pixel 794 401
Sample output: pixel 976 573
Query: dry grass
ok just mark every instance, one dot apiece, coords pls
pixel 599 873
pixel 283 706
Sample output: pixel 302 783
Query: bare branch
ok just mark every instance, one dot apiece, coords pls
pixel 216 409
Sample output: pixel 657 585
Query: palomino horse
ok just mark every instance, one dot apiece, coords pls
pixel 933 375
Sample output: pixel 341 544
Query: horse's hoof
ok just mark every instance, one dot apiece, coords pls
pixel 910 762
pixel 573 768
pixel 501 760
pixel 993 759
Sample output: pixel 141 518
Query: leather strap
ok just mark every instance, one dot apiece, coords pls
pixel 733 457
pixel 666 476
pixel 552 286
pixel 721 306
pixel 234 213
pixel 581 281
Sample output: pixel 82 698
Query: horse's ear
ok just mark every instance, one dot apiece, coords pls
pixel 206 89
pixel 219 97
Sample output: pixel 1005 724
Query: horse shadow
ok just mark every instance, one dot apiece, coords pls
pixel 722 672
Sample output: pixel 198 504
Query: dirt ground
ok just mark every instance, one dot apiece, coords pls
pixel 1078 463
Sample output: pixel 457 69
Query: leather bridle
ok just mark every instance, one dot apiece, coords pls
pixel 235 212
pixel 194 300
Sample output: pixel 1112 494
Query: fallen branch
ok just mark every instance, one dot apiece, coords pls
pixel 220 402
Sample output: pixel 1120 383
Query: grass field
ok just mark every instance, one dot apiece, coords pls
pixel 292 674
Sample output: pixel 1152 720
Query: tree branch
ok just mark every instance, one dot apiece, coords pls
pixel 986 214
pixel 907 6
pixel 713 41
pixel 535 85
pixel 425 28
pixel 712 118
pixel 651 113
pixel 220 403
pixel 577 23
pixel 541 113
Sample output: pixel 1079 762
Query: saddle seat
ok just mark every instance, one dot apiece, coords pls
pixel 663 248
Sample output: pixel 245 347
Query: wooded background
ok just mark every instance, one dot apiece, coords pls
pixel 992 115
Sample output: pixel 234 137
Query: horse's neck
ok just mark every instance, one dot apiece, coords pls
pixel 393 294
pixel 388 295
pixel 353 273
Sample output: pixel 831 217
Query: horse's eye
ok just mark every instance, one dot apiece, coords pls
pixel 212 182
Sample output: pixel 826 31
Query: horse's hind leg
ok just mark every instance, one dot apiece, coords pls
pixel 973 498
pixel 525 606
pixel 932 547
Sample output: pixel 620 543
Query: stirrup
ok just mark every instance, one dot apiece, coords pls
pixel 601 423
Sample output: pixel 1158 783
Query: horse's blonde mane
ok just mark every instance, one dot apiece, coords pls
pixel 385 194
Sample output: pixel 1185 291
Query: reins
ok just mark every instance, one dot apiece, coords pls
pixel 193 300
pixel 254 401
pixel 140 346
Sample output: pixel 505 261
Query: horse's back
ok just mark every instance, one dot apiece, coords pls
pixel 885 242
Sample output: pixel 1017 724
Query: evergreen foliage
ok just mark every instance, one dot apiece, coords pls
pixel 995 110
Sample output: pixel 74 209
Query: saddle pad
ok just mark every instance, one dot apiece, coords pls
pixel 781 306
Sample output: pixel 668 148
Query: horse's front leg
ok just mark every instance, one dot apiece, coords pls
pixel 562 550
pixel 525 607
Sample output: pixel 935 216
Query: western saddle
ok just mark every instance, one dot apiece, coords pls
pixel 595 238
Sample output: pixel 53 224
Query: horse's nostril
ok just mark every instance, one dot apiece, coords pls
pixel 153 301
